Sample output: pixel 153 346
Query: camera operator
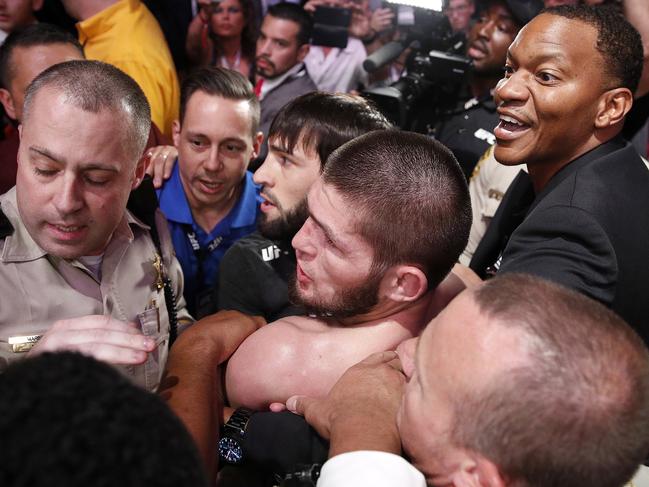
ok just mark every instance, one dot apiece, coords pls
pixel 467 128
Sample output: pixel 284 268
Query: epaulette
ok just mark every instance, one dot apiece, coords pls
pixel 6 228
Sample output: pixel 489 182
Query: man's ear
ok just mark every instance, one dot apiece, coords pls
pixel 405 283
pixel 478 472
pixel 302 51
pixel 37 5
pixel 175 132
pixel 8 103
pixel 612 107
pixel 256 145
pixel 140 171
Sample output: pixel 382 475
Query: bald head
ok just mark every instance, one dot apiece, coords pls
pixel 577 413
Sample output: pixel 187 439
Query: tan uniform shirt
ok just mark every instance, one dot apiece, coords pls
pixel 488 185
pixel 37 289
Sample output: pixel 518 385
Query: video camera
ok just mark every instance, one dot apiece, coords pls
pixel 436 70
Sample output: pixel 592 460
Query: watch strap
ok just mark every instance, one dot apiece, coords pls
pixel 236 425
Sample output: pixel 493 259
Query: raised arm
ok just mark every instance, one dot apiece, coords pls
pixel 192 383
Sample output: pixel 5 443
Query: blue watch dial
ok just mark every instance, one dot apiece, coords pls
pixel 229 450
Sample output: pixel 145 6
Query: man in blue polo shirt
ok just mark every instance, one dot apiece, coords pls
pixel 210 199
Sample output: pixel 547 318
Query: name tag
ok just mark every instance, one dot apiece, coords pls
pixel 23 343
pixel 488 137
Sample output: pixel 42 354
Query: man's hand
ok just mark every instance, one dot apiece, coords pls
pixel 359 413
pixel 160 163
pixel 359 25
pixel 381 19
pixel 220 333
pixel 197 33
pixel 192 385
pixel 102 337
pixel 459 279
pixel 311 5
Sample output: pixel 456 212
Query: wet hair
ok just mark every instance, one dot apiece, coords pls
pixel 94 86
pixel 618 41
pixel 67 419
pixel 222 82
pixel 410 199
pixel 294 13
pixel 323 122
pixel 31 36
pixel 578 412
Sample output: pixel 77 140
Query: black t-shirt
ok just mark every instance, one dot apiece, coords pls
pixel 254 277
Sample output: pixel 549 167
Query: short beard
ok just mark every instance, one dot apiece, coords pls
pixel 286 225
pixel 271 66
pixel 348 303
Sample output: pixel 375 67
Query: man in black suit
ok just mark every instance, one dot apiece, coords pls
pixel 579 218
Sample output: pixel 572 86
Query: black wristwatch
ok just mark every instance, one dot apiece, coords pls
pixel 232 434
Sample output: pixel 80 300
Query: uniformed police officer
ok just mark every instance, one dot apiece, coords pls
pixel 77 270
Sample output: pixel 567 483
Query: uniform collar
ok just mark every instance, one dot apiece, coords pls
pixel 485 100
pixel 21 247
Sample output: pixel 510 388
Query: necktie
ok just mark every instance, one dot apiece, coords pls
pixel 258 86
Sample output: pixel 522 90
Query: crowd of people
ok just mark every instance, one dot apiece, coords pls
pixel 288 288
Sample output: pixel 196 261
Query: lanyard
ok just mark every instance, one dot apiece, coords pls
pixel 213 245
pixel 200 252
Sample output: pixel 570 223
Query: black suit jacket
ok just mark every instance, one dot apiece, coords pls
pixel 588 229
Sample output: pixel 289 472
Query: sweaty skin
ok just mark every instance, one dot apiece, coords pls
pixel 298 355
pixel 301 355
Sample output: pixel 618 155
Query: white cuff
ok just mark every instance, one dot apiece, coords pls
pixel 371 469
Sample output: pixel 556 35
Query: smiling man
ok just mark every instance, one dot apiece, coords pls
pixel 467 128
pixel 578 218
pixel 210 199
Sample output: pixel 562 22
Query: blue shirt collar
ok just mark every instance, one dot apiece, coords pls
pixel 174 204
pixel 245 211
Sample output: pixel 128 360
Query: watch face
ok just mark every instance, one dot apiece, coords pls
pixel 229 450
